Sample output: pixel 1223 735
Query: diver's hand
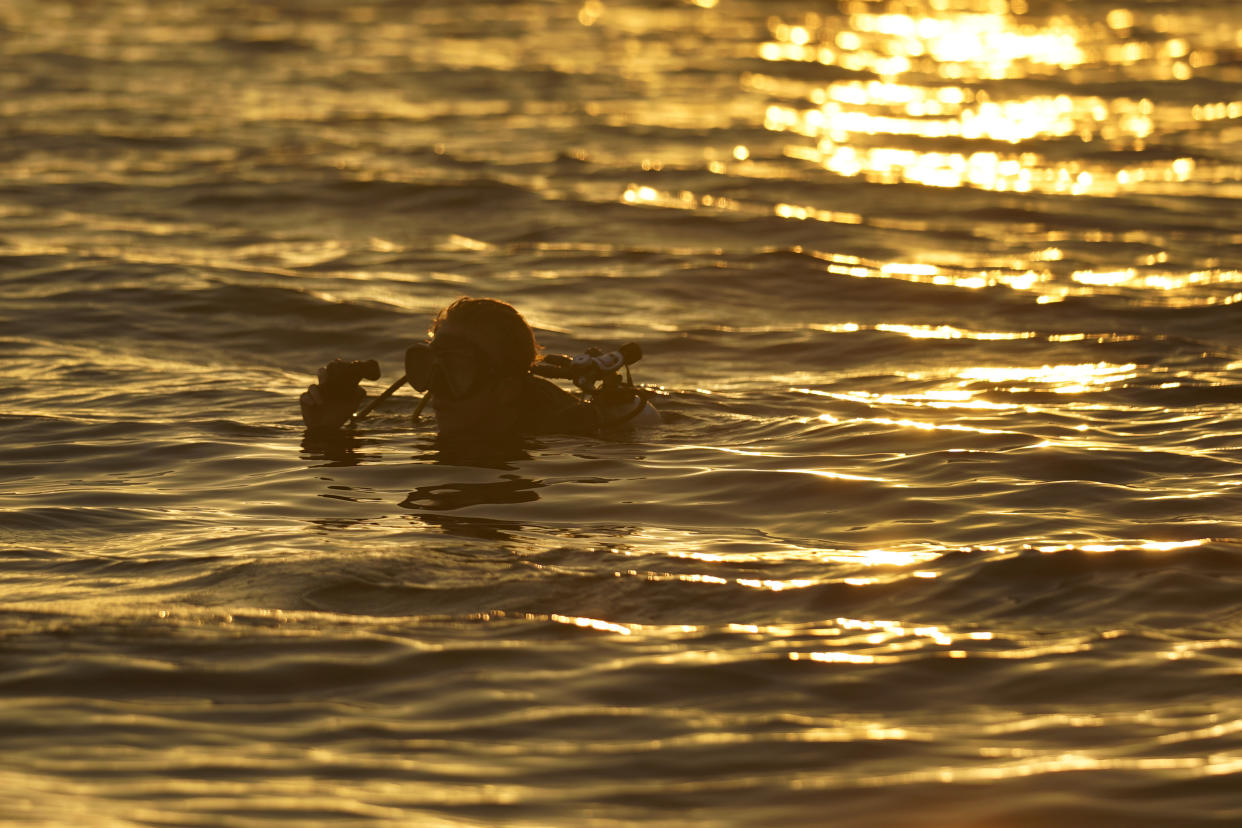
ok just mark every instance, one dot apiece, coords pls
pixel 328 404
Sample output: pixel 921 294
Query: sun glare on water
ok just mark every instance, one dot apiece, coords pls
pixel 919 101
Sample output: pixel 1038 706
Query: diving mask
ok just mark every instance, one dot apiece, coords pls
pixel 449 369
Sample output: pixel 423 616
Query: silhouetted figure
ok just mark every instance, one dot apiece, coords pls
pixel 477 368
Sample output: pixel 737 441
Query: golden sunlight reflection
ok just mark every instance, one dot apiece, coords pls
pixel 1025 765
pixel 951 332
pixel 775 584
pixel 591 623
pixel 935 398
pixel 1060 379
pixel 858 641
pixel 925 426
pixel 964 391
pixel 1166 286
pixel 1144 545
pixel 689 546
pixel 932 112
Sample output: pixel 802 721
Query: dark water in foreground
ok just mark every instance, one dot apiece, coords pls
pixel 941 300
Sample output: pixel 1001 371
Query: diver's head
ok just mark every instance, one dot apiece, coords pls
pixel 474 365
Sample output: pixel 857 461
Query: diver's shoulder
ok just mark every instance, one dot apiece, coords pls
pixel 543 390
pixel 550 409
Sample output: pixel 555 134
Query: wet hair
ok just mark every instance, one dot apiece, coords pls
pixel 514 341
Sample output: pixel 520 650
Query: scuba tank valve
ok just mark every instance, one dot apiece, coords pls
pixel 616 402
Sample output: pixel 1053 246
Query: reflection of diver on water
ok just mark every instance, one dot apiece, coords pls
pixel 482 377
pixel 429 502
pixel 448 496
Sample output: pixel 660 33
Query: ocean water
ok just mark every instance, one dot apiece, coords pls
pixel 940 303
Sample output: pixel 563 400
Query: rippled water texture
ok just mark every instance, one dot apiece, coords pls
pixel 940 299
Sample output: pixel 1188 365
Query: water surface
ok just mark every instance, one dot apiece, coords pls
pixel 939 302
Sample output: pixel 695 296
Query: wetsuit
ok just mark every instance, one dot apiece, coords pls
pixel 549 409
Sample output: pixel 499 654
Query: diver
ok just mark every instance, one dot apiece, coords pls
pixel 481 372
